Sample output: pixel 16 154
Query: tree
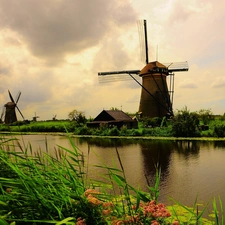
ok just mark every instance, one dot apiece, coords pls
pixel 114 108
pixel 206 115
pixel 77 116
pixel 185 123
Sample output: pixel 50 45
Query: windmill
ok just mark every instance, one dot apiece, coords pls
pixel 10 109
pixel 35 117
pixel 156 98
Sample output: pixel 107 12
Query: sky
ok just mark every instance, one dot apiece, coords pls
pixel 52 51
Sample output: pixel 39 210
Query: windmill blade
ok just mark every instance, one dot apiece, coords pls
pixel 143 40
pixel 11 97
pixel 114 76
pixel 119 72
pixel 18 97
pixel 20 112
pixel 3 112
pixel 177 66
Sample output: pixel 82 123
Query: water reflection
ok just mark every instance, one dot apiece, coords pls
pixel 156 153
pixel 107 142
pixel 187 148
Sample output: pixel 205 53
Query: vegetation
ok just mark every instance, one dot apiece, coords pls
pixel 183 124
pixel 38 188
pixel 186 124
pixel 77 116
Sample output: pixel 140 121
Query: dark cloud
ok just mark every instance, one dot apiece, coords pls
pixel 52 28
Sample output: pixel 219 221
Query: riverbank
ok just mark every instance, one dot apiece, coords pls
pixel 119 137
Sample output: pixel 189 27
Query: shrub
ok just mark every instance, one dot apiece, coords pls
pixel 219 130
pixel 185 124
pixel 82 130
pixel 152 122
pixel 134 132
pixel 114 131
pixel 123 130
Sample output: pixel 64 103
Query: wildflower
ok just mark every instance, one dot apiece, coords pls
pixel 117 222
pixel 106 212
pixel 106 205
pixel 93 200
pixel 90 192
pixel 175 222
pixel 8 190
pixel 154 222
pixel 80 221
pixel 155 210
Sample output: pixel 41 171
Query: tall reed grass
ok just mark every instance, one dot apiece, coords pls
pixel 39 188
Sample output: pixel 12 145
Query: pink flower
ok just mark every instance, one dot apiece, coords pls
pixel 93 200
pixel 106 212
pixel 80 221
pixel 154 222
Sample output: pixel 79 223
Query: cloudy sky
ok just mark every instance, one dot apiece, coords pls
pixel 52 51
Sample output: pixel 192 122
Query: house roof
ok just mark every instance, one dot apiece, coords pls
pixel 112 115
pixel 118 115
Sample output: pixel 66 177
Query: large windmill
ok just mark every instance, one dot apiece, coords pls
pixel 10 109
pixel 156 98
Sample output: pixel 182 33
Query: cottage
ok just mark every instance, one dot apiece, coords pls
pixel 113 118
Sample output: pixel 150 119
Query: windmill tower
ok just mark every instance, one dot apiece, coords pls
pixel 156 98
pixel 10 109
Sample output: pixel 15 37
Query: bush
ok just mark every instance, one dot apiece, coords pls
pixel 152 122
pixel 114 131
pixel 82 131
pixel 134 132
pixel 219 130
pixel 123 131
pixel 158 131
pixel 205 115
pixel 185 124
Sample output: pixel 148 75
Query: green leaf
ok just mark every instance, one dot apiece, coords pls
pixel 3 222
pixel 66 221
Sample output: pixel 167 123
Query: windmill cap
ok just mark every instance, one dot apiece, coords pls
pixel 12 104
pixel 154 67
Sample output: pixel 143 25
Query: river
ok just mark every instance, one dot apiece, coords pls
pixel 189 169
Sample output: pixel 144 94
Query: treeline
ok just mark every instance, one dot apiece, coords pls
pixel 183 124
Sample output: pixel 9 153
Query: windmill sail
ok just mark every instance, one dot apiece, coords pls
pixel 143 40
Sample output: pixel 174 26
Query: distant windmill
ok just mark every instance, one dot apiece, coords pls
pixel 10 110
pixel 35 117
pixel 156 99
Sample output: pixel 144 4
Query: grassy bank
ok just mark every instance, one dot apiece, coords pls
pixel 154 132
pixel 39 188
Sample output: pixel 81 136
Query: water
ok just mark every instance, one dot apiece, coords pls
pixel 190 169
